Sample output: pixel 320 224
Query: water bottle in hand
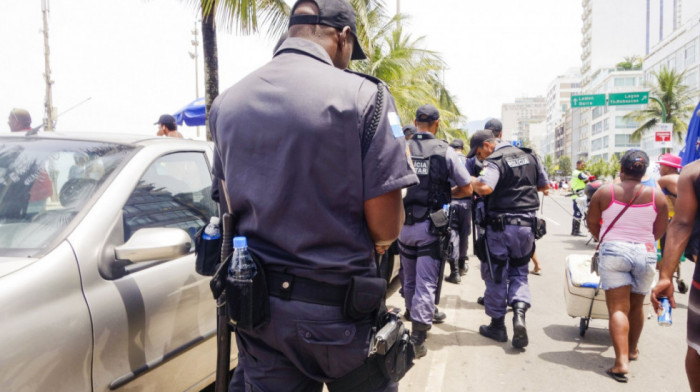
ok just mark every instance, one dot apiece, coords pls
pixel 212 231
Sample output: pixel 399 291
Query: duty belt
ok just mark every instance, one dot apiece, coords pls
pixel 291 287
pixel 500 222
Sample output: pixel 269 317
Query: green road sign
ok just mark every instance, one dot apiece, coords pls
pixel 637 98
pixel 584 101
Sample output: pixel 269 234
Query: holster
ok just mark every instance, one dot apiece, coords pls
pixel 439 223
pixel 540 228
pixel 248 305
pixel 364 297
pixel 208 254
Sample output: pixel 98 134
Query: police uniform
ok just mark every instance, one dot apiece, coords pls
pixel 578 184
pixel 514 175
pixel 461 225
pixel 436 164
pixel 289 145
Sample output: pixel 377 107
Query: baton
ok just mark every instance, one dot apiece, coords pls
pixel 223 333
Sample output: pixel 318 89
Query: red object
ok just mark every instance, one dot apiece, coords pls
pixel 670 160
pixel 663 136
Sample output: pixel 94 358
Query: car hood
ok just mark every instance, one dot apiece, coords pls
pixel 9 265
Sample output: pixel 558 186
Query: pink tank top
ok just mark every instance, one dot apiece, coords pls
pixel 635 225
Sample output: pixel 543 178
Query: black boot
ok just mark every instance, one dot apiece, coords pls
pixel 454 272
pixel 418 337
pixel 519 331
pixel 439 317
pixel 496 330
pixel 463 266
pixel 480 301
pixel 576 227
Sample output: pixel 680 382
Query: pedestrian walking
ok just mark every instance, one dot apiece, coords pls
pixel 313 161
pixel 634 216
pixel 419 243
pixel 510 181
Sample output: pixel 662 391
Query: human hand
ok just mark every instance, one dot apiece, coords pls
pixel 664 288
pixel 381 249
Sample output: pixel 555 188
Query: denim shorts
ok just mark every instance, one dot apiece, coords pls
pixel 627 264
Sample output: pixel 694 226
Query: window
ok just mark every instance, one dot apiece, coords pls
pixel 621 122
pixel 606 124
pixel 597 128
pixel 605 141
pixel 174 192
pixel 596 144
pixel 626 81
pixel 624 141
pixel 597 112
pixel 689 55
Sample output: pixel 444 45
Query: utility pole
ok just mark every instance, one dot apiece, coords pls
pixel 398 7
pixel 195 56
pixel 49 117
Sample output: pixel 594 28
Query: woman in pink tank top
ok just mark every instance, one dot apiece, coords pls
pixel 627 252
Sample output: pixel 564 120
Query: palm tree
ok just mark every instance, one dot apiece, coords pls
pixel 241 15
pixel 676 100
pixel 630 63
pixel 414 75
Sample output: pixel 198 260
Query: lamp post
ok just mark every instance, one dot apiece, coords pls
pixel 195 56
pixel 48 100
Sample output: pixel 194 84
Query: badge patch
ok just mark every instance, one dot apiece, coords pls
pixel 515 162
pixel 395 123
pixel 421 166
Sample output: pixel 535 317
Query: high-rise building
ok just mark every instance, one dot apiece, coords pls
pixel 517 117
pixel 558 103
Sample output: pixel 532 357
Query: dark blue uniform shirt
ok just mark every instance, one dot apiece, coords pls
pixel 288 143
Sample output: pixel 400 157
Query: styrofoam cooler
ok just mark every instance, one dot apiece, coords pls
pixel 580 287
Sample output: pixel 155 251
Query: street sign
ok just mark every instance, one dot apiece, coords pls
pixel 584 101
pixel 636 98
pixel 663 135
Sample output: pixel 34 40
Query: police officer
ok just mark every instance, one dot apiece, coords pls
pixel 461 220
pixel 579 179
pixel 436 165
pixel 510 180
pixel 313 161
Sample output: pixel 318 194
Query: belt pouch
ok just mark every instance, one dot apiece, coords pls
pixel 439 223
pixel 364 296
pixel 248 301
pixel 540 228
pixel 208 254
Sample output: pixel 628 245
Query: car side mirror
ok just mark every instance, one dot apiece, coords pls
pixel 152 244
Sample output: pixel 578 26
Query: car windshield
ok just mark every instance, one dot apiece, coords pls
pixel 44 184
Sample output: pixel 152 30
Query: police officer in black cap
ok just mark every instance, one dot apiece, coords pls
pixel 461 224
pixel 510 180
pixel 436 164
pixel 313 159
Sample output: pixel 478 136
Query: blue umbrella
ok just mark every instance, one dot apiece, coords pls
pixel 690 152
pixel 193 114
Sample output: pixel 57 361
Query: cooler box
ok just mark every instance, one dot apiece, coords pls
pixel 580 287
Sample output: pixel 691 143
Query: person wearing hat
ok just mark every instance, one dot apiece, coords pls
pixel 333 141
pixel 462 220
pixel 510 180
pixel 167 126
pixel 19 120
pixel 409 130
pixel 438 167
pixel 669 169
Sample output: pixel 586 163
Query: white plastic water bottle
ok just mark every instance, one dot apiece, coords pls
pixel 212 232
pixel 243 267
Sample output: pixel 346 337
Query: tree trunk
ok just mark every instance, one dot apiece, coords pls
pixel 211 62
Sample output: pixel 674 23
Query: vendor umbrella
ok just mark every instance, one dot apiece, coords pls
pixel 193 114
pixel 690 152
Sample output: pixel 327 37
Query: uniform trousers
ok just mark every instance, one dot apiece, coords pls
pixel 303 346
pixel 512 243
pixel 420 273
pixel 460 237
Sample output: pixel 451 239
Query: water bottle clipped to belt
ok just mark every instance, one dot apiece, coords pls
pixel 246 289
pixel 208 248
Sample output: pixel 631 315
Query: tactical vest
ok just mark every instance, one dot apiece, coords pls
pixel 517 183
pixel 430 165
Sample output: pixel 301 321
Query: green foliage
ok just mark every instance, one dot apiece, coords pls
pixel 565 165
pixel 630 63
pixel 246 16
pixel 677 100
pixel 602 169
pixel 413 74
pixel 548 163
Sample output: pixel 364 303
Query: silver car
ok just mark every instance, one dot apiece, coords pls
pixel 98 290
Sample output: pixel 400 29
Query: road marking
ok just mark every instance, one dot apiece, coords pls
pixel 552 220
pixel 436 376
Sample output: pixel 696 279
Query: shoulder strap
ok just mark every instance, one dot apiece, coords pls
pixel 620 214
pixel 368 135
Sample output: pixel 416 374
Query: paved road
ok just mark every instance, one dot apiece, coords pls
pixel 557 359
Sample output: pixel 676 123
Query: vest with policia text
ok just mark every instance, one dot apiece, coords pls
pixel 517 184
pixel 430 164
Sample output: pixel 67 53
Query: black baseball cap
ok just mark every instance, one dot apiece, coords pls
pixel 494 125
pixel 635 162
pixel 165 120
pixel 409 129
pixel 478 139
pixel 457 143
pixel 427 113
pixel 332 13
